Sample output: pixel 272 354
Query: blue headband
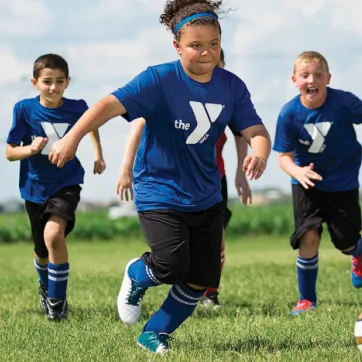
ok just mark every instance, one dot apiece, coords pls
pixel 192 17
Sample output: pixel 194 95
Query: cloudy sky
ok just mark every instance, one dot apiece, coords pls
pixel 107 42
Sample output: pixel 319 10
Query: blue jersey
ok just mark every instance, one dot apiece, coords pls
pixel 324 136
pixel 175 166
pixel 39 178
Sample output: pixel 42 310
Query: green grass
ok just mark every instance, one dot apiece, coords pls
pixel 258 291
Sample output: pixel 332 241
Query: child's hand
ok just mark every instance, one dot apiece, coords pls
pixel 124 186
pixel 306 174
pixel 99 166
pixel 38 144
pixel 254 167
pixel 242 187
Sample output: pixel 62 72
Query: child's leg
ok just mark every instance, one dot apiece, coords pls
pixel 58 267
pixel 40 251
pixel 307 265
pixel 344 224
pixel 308 218
pixel 168 238
pixel 204 271
pixel 59 218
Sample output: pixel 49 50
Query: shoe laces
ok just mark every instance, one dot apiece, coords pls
pixel 136 294
pixel 161 338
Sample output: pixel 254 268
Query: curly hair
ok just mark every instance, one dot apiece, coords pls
pixel 177 10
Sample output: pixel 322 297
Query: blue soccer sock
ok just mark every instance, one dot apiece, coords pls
pixel 42 271
pixel 178 306
pixel 307 269
pixel 58 280
pixel 142 274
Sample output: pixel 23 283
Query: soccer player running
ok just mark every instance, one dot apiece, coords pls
pixel 186 104
pixel 51 194
pixel 318 148
pixel 125 191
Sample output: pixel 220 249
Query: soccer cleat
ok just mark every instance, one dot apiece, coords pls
pixel 211 300
pixel 57 309
pixel 154 342
pixel 356 271
pixel 43 294
pixel 303 306
pixel 129 298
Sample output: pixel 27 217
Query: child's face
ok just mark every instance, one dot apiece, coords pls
pixel 199 49
pixel 51 85
pixel 312 79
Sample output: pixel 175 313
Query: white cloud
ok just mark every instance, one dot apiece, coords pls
pixel 12 69
pixel 24 17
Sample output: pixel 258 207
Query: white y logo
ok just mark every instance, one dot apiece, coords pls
pixel 203 119
pixel 318 132
pixel 54 132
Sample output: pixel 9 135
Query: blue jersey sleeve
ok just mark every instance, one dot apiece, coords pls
pixel 355 108
pixel 244 115
pixel 285 137
pixel 18 128
pixel 139 96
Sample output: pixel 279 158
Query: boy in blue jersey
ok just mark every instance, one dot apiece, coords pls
pixel 319 149
pixel 51 194
pixel 186 104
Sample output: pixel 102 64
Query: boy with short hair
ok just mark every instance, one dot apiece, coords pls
pixel 318 148
pixel 51 194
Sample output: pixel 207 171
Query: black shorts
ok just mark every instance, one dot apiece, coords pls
pixel 63 203
pixel 226 213
pixel 341 211
pixel 185 246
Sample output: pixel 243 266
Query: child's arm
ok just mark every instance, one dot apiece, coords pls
pixel 304 175
pixel 99 164
pixel 241 183
pixel 258 138
pixel 16 153
pixel 124 182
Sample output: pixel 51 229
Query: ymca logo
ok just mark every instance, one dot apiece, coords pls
pixel 205 116
pixel 318 132
pixel 54 132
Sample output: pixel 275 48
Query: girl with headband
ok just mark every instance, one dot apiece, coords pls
pixel 187 104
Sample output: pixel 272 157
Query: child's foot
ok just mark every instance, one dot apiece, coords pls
pixel 57 309
pixel 210 299
pixel 154 342
pixel 129 298
pixel 303 306
pixel 356 271
pixel 43 295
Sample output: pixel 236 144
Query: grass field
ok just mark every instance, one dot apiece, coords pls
pixel 258 291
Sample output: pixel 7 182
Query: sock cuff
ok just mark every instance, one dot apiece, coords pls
pixel 186 295
pixel 40 266
pixel 308 263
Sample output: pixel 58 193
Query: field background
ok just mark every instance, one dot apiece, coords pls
pixel 258 290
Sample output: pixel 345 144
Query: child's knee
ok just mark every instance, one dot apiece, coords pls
pixel 310 241
pixel 54 232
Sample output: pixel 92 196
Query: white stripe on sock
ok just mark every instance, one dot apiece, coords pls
pixel 307 267
pixel 57 279
pixel 40 267
pixel 58 271
pixel 173 295
pixel 186 295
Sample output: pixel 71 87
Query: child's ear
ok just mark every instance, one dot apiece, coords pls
pixel 34 82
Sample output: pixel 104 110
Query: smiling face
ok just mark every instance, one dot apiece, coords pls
pixel 199 48
pixel 311 77
pixel 51 85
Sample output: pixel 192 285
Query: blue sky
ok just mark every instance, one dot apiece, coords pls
pixel 107 42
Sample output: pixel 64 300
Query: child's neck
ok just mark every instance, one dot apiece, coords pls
pixel 48 104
